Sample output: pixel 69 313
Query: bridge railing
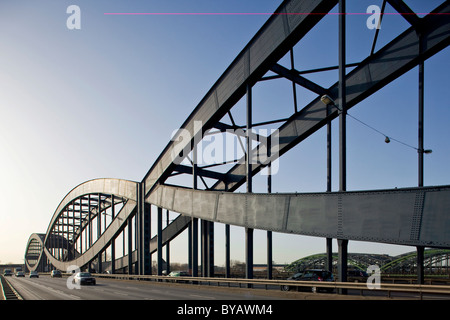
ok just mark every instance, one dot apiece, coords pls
pixel 334 286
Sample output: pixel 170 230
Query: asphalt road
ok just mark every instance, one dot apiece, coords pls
pixel 47 288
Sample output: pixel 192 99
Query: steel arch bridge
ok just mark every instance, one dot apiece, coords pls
pixel 93 215
pixel 407 262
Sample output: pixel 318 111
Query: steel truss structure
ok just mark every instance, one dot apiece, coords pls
pixel 436 261
pixel 96 214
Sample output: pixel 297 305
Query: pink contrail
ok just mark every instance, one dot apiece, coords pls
pixel 257 13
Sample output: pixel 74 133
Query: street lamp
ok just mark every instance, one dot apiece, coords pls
pixel 327 100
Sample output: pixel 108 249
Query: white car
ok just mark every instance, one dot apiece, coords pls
pixel 84 278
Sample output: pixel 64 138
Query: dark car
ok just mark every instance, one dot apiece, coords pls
pixel 7 273
pixel 310 275
pixel 84 278
pixel 56 274
pixel 357 276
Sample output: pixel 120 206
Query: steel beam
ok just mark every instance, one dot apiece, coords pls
pixel 342 252
pixel 372 74
pixel 248 163
pixel 159 251
pixel 371 215
pixel 268 46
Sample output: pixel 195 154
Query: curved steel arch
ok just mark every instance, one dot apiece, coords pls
pixel 421 221
pixel 124 192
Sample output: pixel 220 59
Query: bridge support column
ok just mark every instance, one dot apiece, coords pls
pixel 194 247
pixel 342 262
pixel 194 221
pixel 342 244
pixel 269 190
pixel 130 245
pixel 227 252
pixel 248 159
pixel 159 246
pixel 207 248
pixel 143 232
pixel 329 265
pixel 420 267
pixel 167 246
pixel 113 255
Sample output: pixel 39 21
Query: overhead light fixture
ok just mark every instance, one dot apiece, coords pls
pixel 387 140
pixel 326 100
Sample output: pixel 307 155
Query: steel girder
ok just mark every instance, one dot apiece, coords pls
pixel 376 71
pixel 413 216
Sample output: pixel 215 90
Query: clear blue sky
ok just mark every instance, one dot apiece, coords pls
pixel 104 100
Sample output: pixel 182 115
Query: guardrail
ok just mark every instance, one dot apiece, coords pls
pixel 8 291
pixel 316 286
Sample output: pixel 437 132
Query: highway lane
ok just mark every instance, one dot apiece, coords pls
pixel 47 288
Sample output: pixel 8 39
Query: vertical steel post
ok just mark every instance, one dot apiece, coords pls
pixel 159 244
pixel 130 244
pixel 190 247
pixel 329 241
pixel 342 101
pixel 194 221
pixel 342 137
pixel 147 236
pixel 248 159
pixel 81 226
pixel 99 232
pixel 269 190
pixel 210 248
pixel 421 127
pixel 89 223
pixel 342 263
pixel 113 255
pixel 420 249
pixel 136 243
pixel 139 226
pixel 420 266
pixel 167 246
pixel 203 248
pixel 227 251
pixel 330 254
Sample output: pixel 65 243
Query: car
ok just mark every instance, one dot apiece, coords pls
pixel 20 274
pixel 357 276
pixel 56 274
pixel 34 274
pixel 311 275
pixel 7 273
pixel 83 278
pixel 179 274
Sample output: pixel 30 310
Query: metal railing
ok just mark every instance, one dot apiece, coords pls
pixel 334 286
pixel 8 291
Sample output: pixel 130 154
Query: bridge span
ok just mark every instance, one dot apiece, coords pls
pixel 96 213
